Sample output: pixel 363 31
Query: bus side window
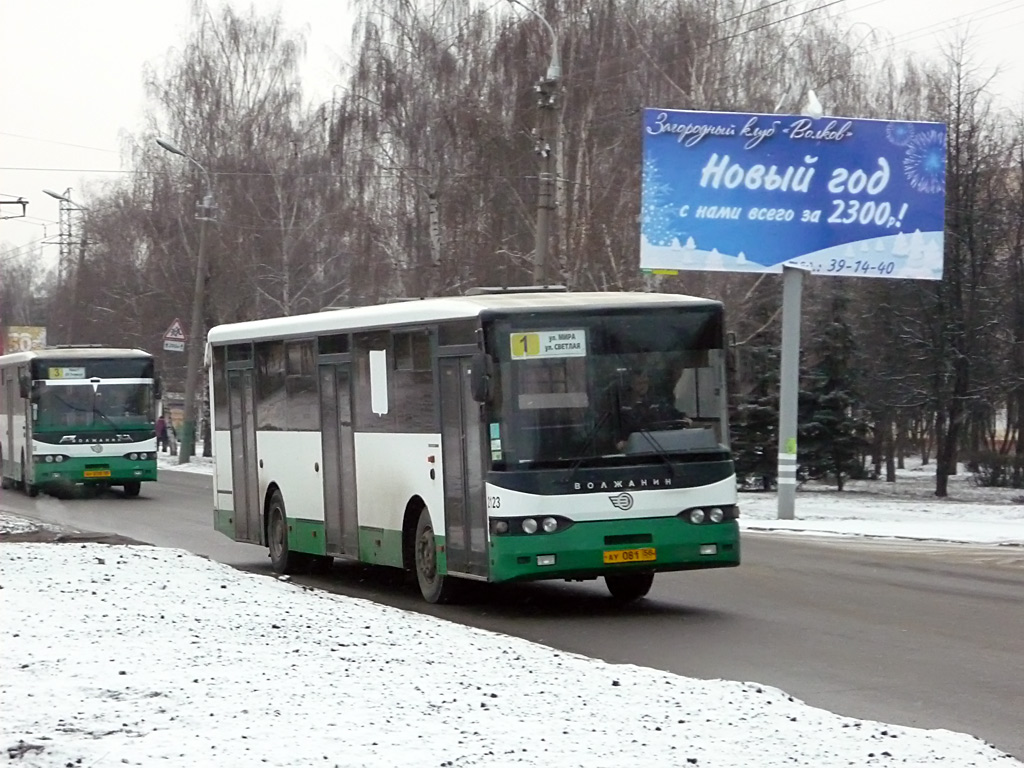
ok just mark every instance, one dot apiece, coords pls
pixel 413 386
pixel 370 406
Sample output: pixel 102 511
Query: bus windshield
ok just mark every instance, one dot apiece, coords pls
pixel 621 384
pixel 94 405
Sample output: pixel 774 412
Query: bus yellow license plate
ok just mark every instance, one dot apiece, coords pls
pixel 630 555
pixel 97 473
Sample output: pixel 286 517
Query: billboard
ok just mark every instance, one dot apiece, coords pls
pixel 24 338
pixel 741 192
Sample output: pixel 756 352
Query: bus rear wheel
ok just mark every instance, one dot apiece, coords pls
pixel 626 587
pixel 132 488
pixel 434 587
pixel 282 559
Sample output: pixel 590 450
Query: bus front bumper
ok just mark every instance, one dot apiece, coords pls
pixel 108 472
pixel 592 549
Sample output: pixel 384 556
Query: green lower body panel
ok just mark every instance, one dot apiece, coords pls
pixel 107 470
pixel 579 551
pixel 224 522
pixel 306 536
pixel 376 545
pixel 380 546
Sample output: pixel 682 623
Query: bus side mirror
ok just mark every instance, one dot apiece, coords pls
pixel 25 387
pixel 157 388
pixel 480 377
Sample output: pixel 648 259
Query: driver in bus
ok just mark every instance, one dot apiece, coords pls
pixel 647 408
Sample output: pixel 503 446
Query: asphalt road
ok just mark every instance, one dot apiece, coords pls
pixel 911 633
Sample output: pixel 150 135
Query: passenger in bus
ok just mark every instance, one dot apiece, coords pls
pixel 647 408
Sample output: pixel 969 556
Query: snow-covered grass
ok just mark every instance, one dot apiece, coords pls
pixel 906 509
pixel 14 524
pixel 202 465
pixel 119 655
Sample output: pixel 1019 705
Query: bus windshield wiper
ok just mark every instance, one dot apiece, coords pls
pixel 106 418
pixel 658 449
pixel 586 446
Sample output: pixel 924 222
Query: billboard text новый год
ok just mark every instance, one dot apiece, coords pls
pixel 739 192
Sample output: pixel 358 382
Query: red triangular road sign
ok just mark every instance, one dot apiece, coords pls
pixel 175 332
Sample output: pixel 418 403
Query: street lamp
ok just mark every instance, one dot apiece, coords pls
pixel 205 211
pixel 546 144
pixel 66 206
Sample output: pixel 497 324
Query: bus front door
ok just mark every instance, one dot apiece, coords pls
pixel 464 512
pixel 244 478
pixel 342 533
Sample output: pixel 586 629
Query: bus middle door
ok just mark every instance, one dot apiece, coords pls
pixel 340 521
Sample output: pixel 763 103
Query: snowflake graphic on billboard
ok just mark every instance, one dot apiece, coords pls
pixel 925 162
pixel 899 134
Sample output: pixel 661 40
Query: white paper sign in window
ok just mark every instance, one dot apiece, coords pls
pixel 379 381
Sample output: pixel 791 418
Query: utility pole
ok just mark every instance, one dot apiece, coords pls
pixel 206 211
pixel 547 128
pixel 64 267
pixel 546 144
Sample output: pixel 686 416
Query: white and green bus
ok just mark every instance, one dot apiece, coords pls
pixel 494 436
pixel 72 416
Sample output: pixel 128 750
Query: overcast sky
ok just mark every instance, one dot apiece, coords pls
pixel 71 88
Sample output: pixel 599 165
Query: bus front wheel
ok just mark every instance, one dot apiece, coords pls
pixel 627 587
pixel 132 488
pixel 434 587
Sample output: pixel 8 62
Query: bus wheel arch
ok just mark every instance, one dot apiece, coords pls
pixel 410 520
pixel 271 489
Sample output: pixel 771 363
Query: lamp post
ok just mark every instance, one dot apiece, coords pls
pixel 66 206
pixel 547 142
pixel 205 211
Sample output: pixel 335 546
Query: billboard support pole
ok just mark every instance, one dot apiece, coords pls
pixel 789 388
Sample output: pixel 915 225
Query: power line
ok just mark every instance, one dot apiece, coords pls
pixel 53 141
pixel 752 10
pixel 777 21
pixel 941 26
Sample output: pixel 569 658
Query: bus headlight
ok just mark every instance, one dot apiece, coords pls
pixel 49 459
pixel 58 458
pixel 549 524
pixel 499 526
pixel 133 456
pixel 696 515
pixel 529 525
pixel 716 515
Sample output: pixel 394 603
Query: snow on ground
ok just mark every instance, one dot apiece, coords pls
pixel 120 655
pixel 906 509
pixel 13 524
pixel 202 465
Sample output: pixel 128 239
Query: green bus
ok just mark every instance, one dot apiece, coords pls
pixel 73 416
pixel 490 437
